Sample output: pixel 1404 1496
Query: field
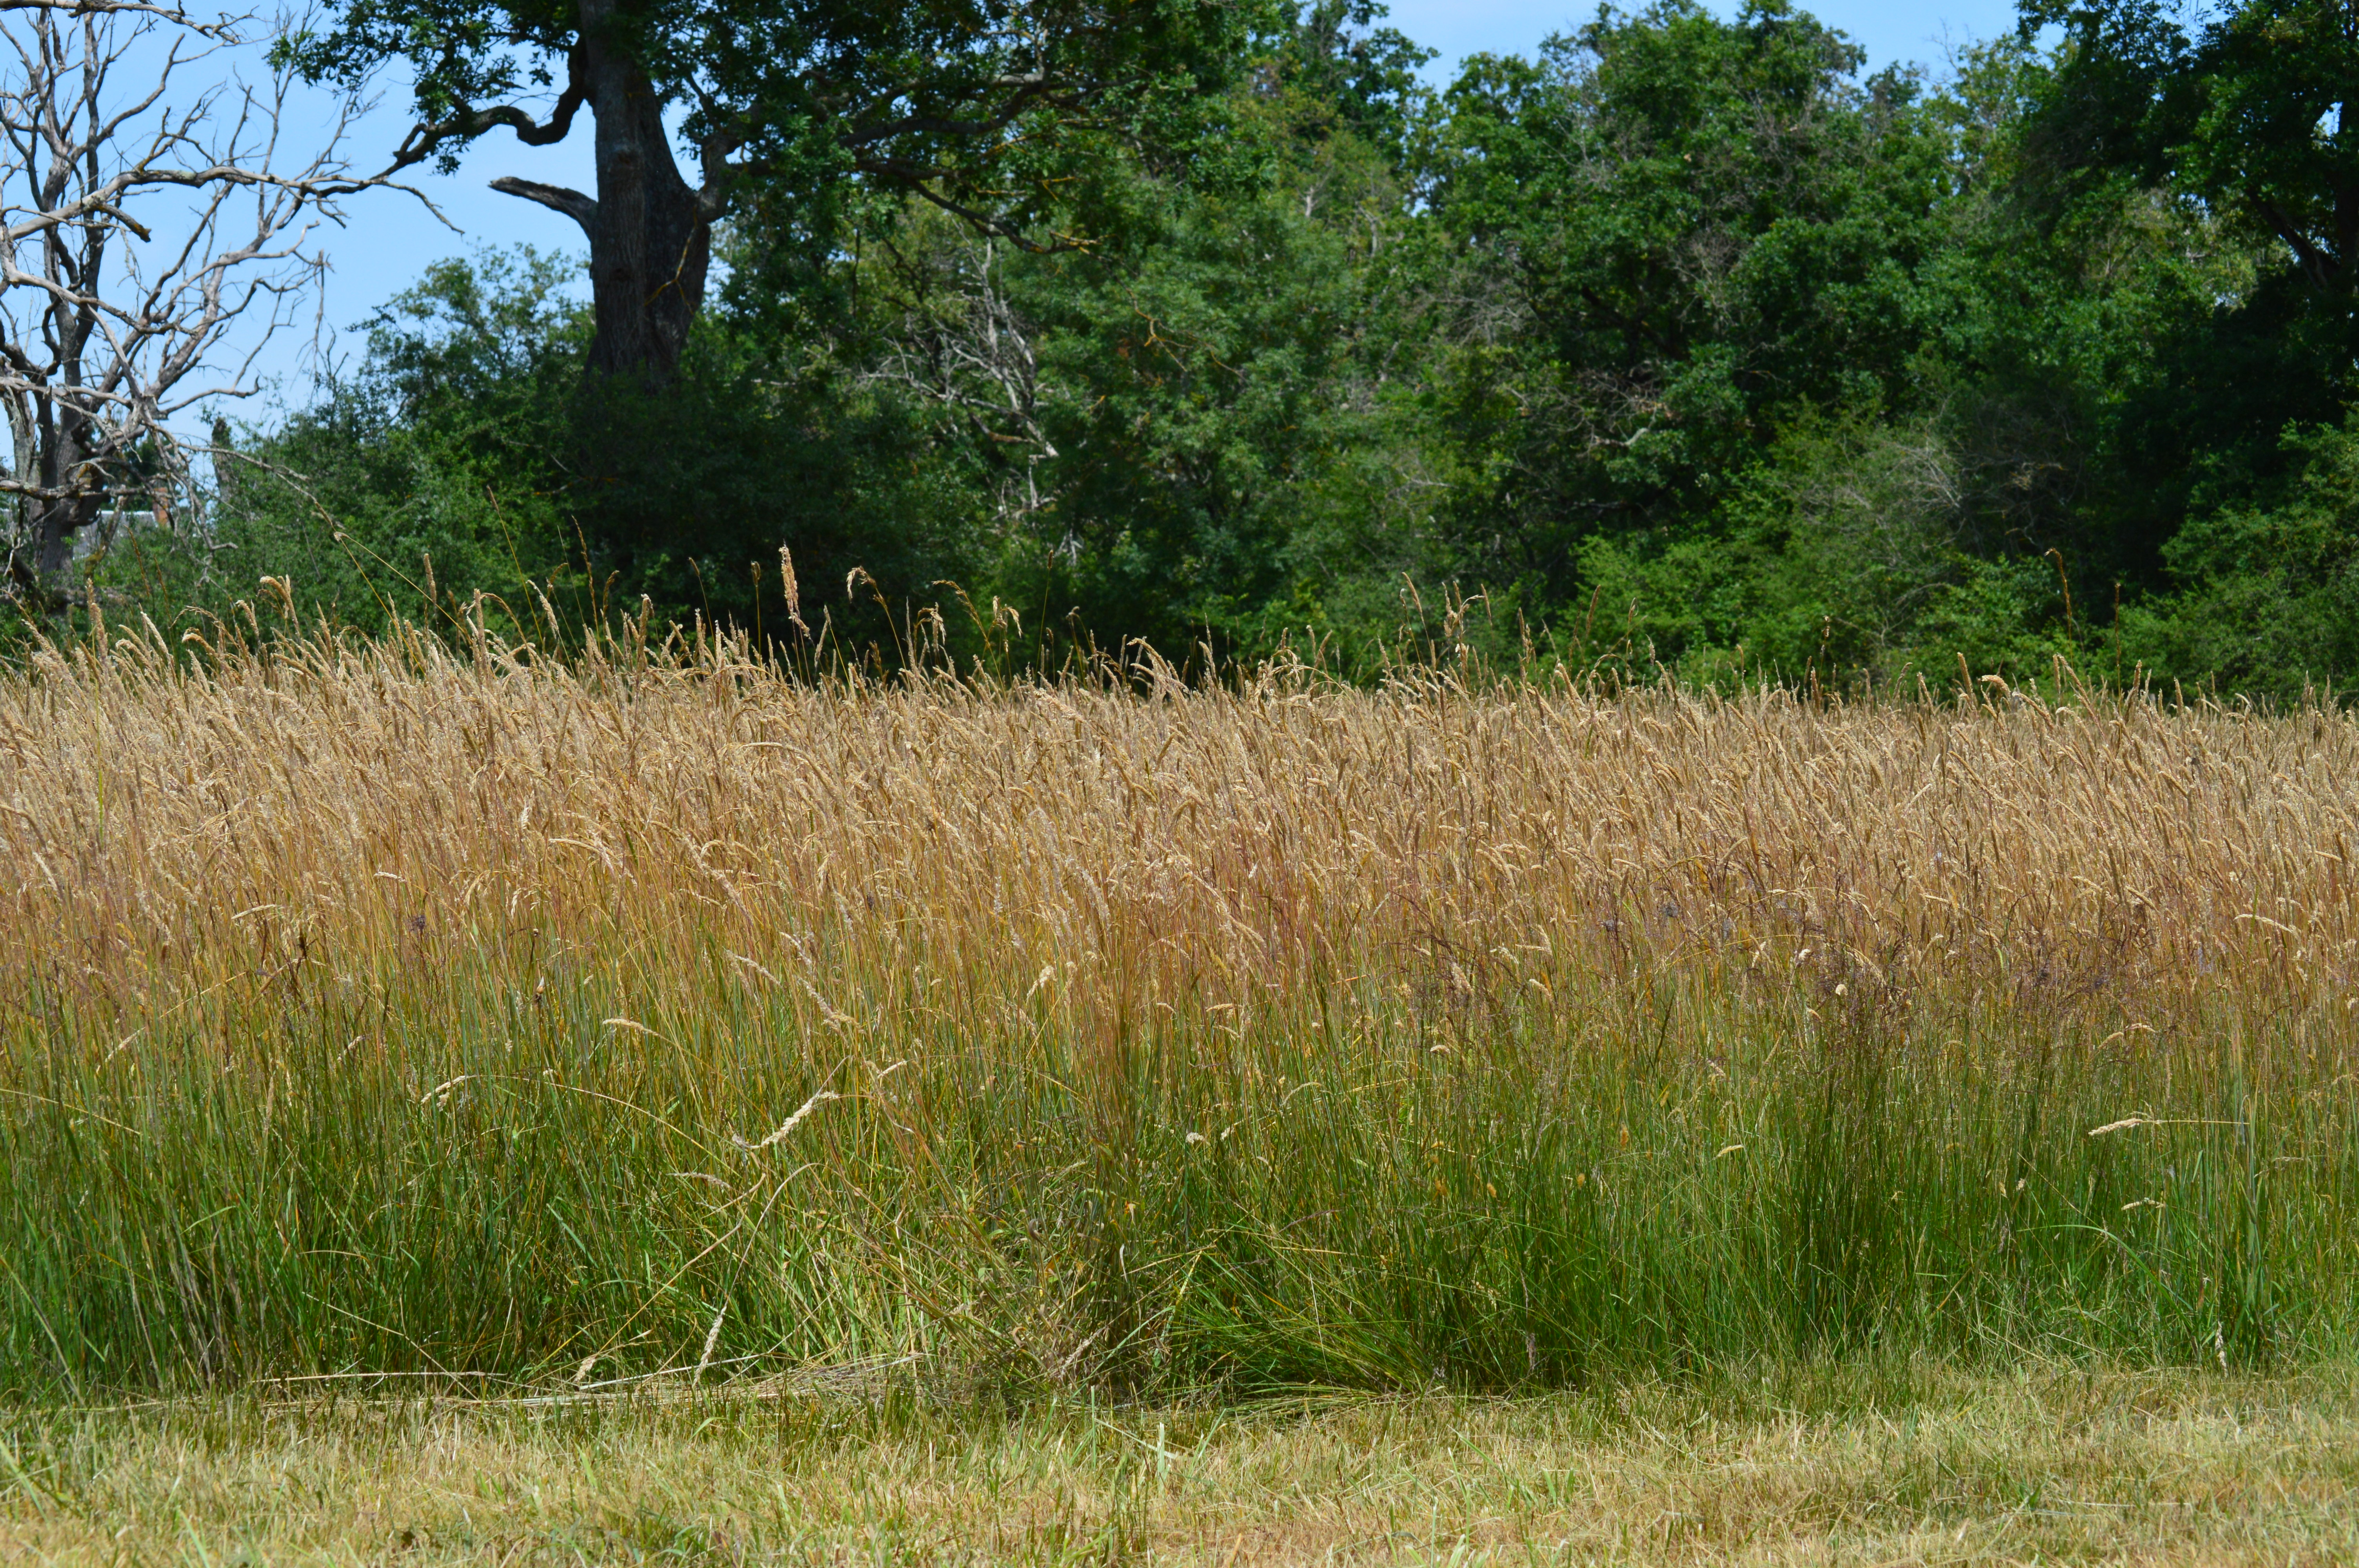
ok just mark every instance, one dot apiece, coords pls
pixel 1810 1469
pixel 383 1018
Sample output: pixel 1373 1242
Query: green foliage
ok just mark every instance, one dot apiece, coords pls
pixel 1700 226
pixel 1180 433
pixel 793 108
pixel 1188 417
pixel 1677 344
pixel 502 1183
pixel 2271 605
pixel 426 463
pixel 467 455
pixel 2247 114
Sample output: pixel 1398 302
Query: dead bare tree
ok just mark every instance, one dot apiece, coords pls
pixel 962 345
pixel 120 307
pixel 224 27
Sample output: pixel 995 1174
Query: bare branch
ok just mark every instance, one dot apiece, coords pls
pixel 222 30
pixel 582 210
pixel 962 345
pixel 111 324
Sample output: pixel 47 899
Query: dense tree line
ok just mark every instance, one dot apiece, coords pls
pixel 1681 342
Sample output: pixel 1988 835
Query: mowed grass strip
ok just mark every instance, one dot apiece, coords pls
pixel 460 1011
pixel 2048 1466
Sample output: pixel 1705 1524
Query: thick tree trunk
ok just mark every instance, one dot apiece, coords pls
pixel 57 523
pixel 55 527
pixel 650 244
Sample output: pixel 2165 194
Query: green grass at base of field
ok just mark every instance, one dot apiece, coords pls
pixel 523 1168
pixel 1794 1465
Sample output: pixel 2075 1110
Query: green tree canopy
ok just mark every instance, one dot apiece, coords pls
pixel 1684 342
pixel 784 106
pixel 1697 225
pixel 2249 111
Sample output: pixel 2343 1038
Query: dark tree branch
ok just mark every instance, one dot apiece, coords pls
pixel 2323 269
pixel 220 31
pixel 425 140
pixel 915 180
pixel 712 159
pixel 582 210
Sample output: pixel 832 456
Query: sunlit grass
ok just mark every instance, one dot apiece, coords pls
pixel 386 1009
pixel 1777 1464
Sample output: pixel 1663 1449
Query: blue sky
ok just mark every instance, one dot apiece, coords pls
pixel 390 239
pixel 1896 29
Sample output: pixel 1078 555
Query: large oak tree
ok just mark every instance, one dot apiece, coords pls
pixel 783 106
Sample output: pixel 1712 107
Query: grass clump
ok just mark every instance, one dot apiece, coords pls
pixel 371 1008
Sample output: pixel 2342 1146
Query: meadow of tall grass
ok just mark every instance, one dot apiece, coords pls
pixel 442 1011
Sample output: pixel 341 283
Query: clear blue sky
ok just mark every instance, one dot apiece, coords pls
pixel 390 239
pixel 1893 30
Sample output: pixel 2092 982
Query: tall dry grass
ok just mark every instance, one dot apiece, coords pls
pixel 377 1006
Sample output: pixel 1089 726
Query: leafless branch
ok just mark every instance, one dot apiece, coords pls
pixel 962 345
pixel 113 326
pixel 221 29
pixel 582 210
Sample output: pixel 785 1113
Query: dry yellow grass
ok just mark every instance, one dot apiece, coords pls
pixel 2050 1468
pixel 326 811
